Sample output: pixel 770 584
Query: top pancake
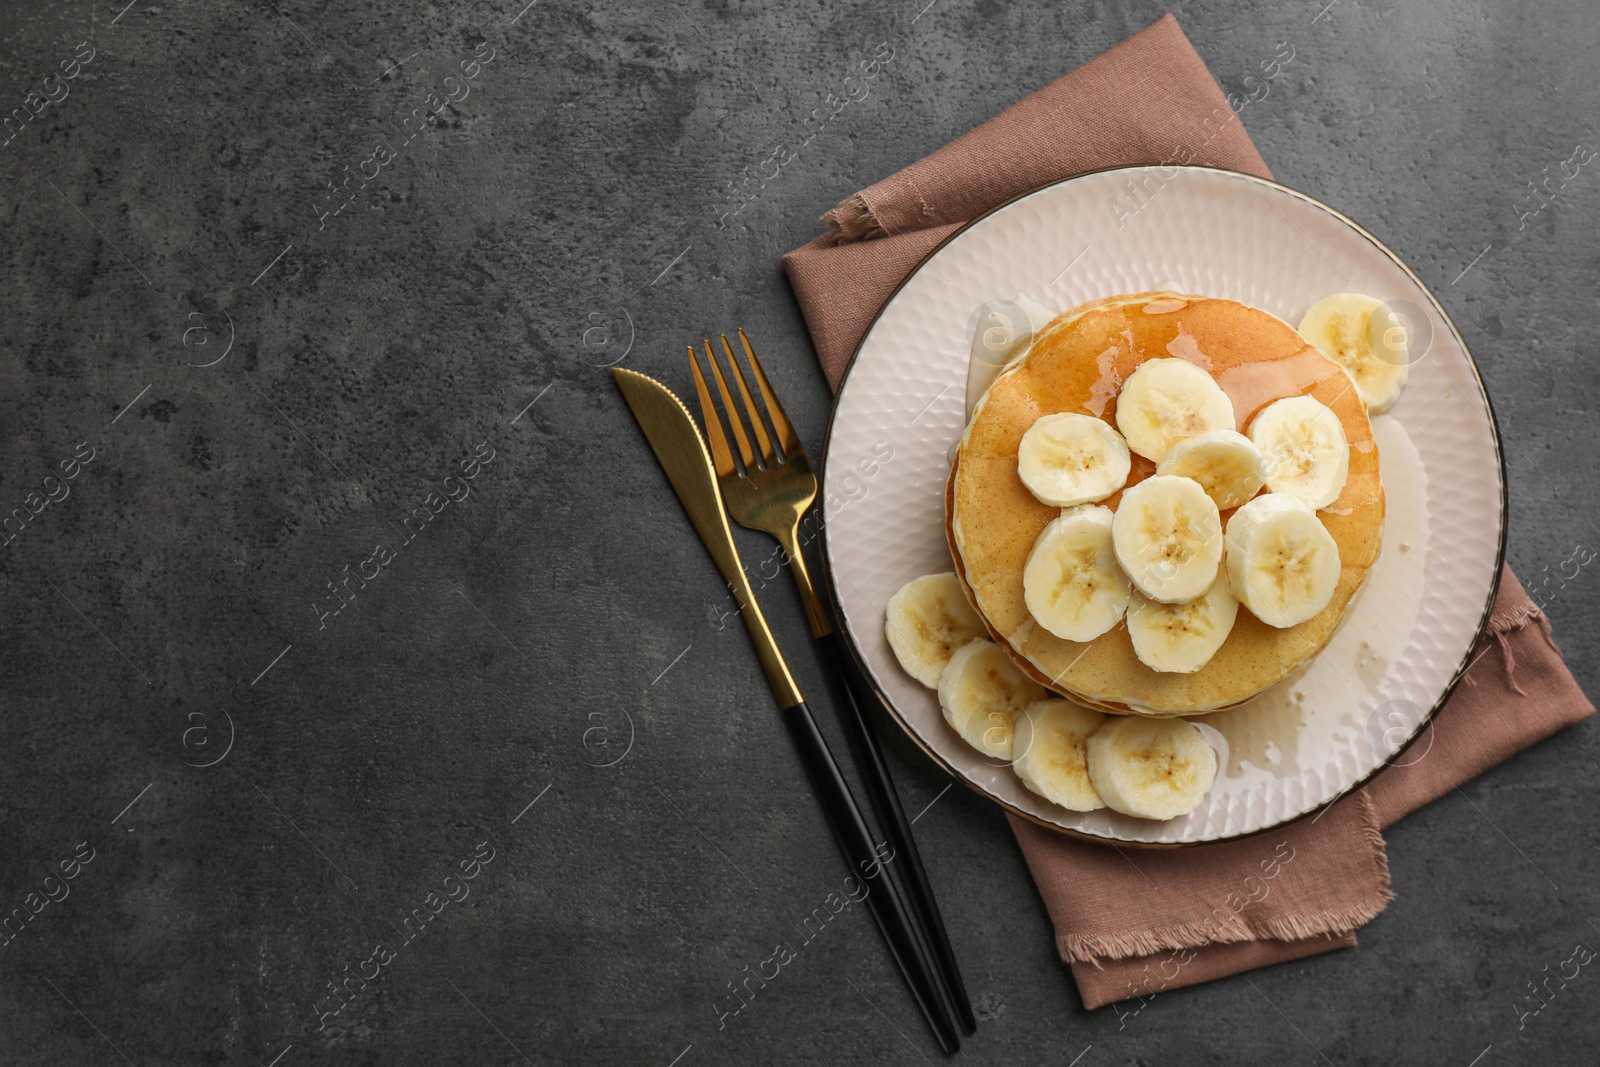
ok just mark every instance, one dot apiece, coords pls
pixel 1078 364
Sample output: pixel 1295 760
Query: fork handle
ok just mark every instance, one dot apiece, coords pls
pixel 855 842
pixel 885 801
pixel 816 614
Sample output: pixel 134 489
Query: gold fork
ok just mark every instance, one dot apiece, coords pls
pixel 776 487
pixel 772 493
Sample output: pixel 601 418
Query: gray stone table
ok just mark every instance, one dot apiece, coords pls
pixel 260 741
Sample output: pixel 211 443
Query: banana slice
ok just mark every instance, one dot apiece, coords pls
pixel 1072 459
pixel 1228 467
pixel 982 692
pixel 926 621
pixel 1283 564
pixel 1305 448
pixel 1166 400
pixel 1182 638
pixel 1364 336
pixel 1071 583
pixel 1052 738
pixel 1168 537
pixel 1151 768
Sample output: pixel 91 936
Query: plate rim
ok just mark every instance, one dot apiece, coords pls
pixel 1423 726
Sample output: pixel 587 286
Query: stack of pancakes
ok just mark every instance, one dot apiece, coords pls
pixel 1078 364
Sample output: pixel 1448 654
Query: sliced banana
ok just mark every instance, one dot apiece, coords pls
pixel 1071 583
pixel 982 692
pixel 1168 537
pixel 1367 339
pixel 1228 467
pixel 1182 638
pixel 1070 459
pixel 1165 400
pixel 1051 745
pixel 1151 768
pixel 926 621
pixel 1283 564
pixel 1306 452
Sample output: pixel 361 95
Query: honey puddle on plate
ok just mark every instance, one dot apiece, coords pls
pixel 1306 720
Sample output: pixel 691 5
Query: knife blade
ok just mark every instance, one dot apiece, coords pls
pixel 681 451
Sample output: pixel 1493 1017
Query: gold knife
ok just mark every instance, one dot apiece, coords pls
pixel 681 451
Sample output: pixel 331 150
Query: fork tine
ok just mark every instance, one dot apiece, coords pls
pixel 733 412
pixel 760 427
pixel 787 439
pixel 708 415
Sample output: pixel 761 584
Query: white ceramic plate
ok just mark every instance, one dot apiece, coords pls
pixel 1407 636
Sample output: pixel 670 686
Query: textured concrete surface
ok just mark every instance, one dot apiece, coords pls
pixel 269 783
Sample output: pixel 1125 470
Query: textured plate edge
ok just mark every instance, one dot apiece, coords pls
pixel 1423 724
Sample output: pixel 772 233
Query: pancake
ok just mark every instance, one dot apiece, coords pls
pixel 1077 364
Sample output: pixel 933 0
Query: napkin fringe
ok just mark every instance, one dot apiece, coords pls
pixel 1502 636
pixel 852 220
pixel 1329 922
pixel 1549 638
pixel 1509 661
pixel 1175 937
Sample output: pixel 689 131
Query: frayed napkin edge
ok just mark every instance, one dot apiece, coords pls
pixel 851 221
pixel 1076 948
pixel 1176 937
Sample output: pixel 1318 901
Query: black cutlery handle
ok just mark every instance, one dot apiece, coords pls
pixel 855 842
pixel 892 817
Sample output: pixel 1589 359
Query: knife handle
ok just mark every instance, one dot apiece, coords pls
pixel 855 842
pixel 885 802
